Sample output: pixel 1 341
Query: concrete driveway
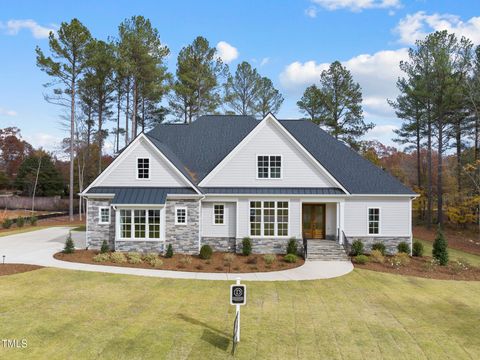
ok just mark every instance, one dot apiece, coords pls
pixel 38 247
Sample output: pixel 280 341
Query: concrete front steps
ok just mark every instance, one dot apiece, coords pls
pixel 325 250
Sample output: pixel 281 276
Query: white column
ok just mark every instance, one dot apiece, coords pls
pixel 341 212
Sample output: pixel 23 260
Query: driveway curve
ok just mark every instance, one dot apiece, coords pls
pixel 37 248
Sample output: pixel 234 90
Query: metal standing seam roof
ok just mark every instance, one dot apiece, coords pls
pixel 140 195
pixel 272 190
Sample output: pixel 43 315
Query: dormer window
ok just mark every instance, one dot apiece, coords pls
pixel 269 166
pixel 143 168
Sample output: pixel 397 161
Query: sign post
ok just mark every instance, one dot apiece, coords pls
pixel 238 297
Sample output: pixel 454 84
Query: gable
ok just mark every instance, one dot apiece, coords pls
pixel 240 167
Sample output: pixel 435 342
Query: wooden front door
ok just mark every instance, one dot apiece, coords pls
pixel 313 221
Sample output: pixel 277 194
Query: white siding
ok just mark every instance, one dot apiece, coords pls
pixel 228 229
pixel 124 173
pixel 297 169
pixel 394 216
pixel 331 219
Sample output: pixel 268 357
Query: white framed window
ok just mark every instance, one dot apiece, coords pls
pixel 104 215
pixel 181 216
pixel 143 168
pixel 218 214
pixel 125 224
pixel 269 166
pixel 374 221
pixel 269 218
pixel 154 224
pixel 139 224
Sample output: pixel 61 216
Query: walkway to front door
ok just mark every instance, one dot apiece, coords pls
pixel 313 221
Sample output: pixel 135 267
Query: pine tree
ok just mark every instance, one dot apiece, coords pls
pixel 439 250
pixel 241 90
pixel 269 99
pixel 69 245
pixel 311 103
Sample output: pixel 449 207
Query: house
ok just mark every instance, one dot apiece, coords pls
pixel 224 178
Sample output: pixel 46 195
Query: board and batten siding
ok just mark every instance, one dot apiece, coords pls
pixel 297 169
pixel 124 173
pixel 395 216
pixel 229 227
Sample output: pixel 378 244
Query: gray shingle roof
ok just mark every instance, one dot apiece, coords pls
pixel 197 148
pixel 272 190
pixel 139 195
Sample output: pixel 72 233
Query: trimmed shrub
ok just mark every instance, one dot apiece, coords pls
pixel 269 259
pixel 105 248
pixel 7 223
pixel 69 245
pixel 440 251
pixel 380 247
pixel 360 259
pixel 118 257
pixel 246 246
pixel 377 257
pixel 156 263
pixel 101 257
pixel 20 221
pixel 150 257
pixel 292 247
pixel 417 248
pixel 206 252
pixel 399 260
pixel 169 252
pixel 290 258
pixel 134 258
pixel 357 248
pixel 33 220
pixel 403 247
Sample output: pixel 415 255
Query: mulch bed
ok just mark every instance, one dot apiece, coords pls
pixel 240 264
pixel 464 240
pixel 420 267
pixel 9 269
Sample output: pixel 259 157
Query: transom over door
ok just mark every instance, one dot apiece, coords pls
pixel 313 221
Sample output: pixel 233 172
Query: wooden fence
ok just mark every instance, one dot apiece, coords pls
pixel 53 203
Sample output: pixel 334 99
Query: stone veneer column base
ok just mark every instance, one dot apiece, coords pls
pixel 390 242
pixel 270 245
pixel 222 244
pixel 140 246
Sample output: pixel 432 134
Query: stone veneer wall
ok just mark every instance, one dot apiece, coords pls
pixel 98 232
pixel 184 238
pixel 223 244
pixel 140 246
pixel 269 245
pixel 391 242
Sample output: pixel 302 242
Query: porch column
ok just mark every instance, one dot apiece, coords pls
pixel 340 220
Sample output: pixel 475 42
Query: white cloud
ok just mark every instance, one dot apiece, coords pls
pixel 44 140
pixel 264 61
pixel 357 5
pixel 383 133
pixel 416 26
pixel 7 112
pixel 226 52
pixel 311 12
pixel 13 27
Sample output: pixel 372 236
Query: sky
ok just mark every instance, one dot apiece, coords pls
pixel 289 41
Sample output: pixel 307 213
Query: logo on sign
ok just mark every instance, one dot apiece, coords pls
pixel 237 295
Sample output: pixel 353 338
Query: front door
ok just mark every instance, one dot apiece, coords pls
pixel 313 221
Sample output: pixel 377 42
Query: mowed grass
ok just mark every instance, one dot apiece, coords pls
pixel 364 315
pixel 453 254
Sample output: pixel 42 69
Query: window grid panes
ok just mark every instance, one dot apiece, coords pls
pixel 269 167
pixel 255 218
pixel 105 215
pixel 219 213
pixel 154 224
pixel 140 225
pixel 275 167
pixel 262 163
pixel 143 168
pixel 374 221
pixel 181 216
pixel 282 218
pixel 125 223
pixel 269 218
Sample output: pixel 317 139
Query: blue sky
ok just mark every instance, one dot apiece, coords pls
pixel 289 41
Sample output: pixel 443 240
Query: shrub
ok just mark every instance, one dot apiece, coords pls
pixel 134 258
pixel 102 257
pixel 149 257
pixel 377 256
pixel 33 220
pixel 229 258
pixel 252 260
pixel 270 259
pixel 290 258
pixel 118 257
pixel 7 223
pixel 403 247
pixel 156 263
pixel 431 265
pixel 459 265
pixel 20 221
pixel 417 248
pixel 360 259
pixel 246 246
pixel 105 248
pixel 206 252
pixel 399 260
pixel 379 247
pixel 440 251
pixel 169 252
pixel 357 248
pixel 292 246
pixel 69 245
pixel 185 260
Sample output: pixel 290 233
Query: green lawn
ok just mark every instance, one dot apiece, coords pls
pixel 82 315
pixel 453 254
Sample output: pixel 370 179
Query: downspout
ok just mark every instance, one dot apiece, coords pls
pixel 116 226
pixel 200 222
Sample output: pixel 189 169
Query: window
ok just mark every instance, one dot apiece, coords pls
pixel 125 224
pixel 104 215
pixel 154 224
pixel 269 166
pixel 218 214
pixel 373 220
pixel 139 224
pixel 143 168
pixel 180 216
pixel 269 218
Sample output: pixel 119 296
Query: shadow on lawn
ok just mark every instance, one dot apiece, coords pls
pixel 212 335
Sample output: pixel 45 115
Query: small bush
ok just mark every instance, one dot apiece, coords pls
pixel 105 248
pixel 403 247
pixel 7 223
pixel 376 256
pixel 459 265
pixel 148 257
pixel 102 257
pixel 206 252
pixel 33 220
pixel 246 246
pixel 185 260
pixel 431 265
pixel 20 221
pixel 270 259
pixel 156 262
pixel 69 245
pixel 379 247
pixel 417 248
pixel 290 258
pixel 229 258
pixel 134 258
pixel 399 260
pixel 252 260
pixel 118 257
pixel 169 252
pixel 360 259
pixel 292 247
pixel 357 248
pixel 440 251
